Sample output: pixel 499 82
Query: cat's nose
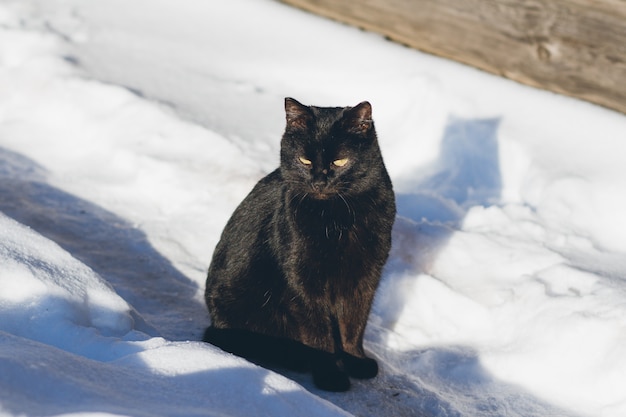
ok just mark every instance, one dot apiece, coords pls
pixel 319 183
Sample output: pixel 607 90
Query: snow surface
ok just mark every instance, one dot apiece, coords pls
pixel 129 131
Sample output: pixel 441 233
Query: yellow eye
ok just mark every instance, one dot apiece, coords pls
pixel 340 162
pixel 304 161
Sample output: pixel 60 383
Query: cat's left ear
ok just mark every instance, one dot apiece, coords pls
pixel 359 118
pixel 298 115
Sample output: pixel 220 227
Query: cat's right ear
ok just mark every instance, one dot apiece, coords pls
pixel 298 115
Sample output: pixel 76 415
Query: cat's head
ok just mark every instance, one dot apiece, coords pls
pixel 329 151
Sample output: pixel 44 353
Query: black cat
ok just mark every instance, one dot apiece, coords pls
pixel 293 277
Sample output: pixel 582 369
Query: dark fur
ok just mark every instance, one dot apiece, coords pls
pixel 293 277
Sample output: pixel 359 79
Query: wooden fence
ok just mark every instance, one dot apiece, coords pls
pixel 573 47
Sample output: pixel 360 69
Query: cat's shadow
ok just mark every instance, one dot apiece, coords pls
pixel 108 244
pixel 433 201
pixel 465 174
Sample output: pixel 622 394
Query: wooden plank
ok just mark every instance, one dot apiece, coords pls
pixel 573 47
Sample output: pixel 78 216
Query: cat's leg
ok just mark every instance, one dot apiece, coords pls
pixel 324 354
pixel 351 325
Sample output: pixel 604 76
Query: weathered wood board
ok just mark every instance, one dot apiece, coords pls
pixel 573 47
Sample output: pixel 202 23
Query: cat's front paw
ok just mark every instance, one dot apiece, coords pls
pixel 362 368
pixel 331 379
pixel 326 373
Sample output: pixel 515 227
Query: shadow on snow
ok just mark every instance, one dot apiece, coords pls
pixel 63 383
pixel 111 246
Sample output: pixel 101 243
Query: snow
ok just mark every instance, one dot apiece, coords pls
pixel 130 131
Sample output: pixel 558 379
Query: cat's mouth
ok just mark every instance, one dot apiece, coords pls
pixel 322 191
pixel 322 195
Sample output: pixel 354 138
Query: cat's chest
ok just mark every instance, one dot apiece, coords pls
pixel 334 250
pixel 334 238
pixel 333 230
pixel 329 267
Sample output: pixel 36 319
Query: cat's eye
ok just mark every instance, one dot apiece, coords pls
pixel 304 161
pixel 340 162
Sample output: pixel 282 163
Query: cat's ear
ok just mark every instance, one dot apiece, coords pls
pixel 358 119
pixel 298 115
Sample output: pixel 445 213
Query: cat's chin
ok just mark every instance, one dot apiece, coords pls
pixel 322 196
